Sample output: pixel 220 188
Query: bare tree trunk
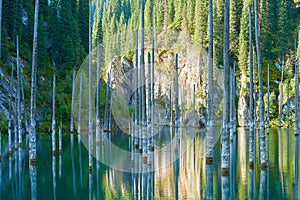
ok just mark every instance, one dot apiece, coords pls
pixel 194 98
pixel 60 137
pixel 79 106
pixel 73 101
pixel 152 76
pixel 232 99
pixel 149 90
pixel 105 127
pixel 226 123
pixel 280 99
pixel 143 84
pixel 296 98
pixel 177 115
pixel 19 96
pixel 90 91
pixel 210 135
pixel 263 160
pixel 10 123
pixel 268 117
pixel 33 88
pixel 136 96
pixel 252 111
pixel 98 97
pixel 53 114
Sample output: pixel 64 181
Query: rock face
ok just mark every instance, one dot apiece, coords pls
pixel 5 90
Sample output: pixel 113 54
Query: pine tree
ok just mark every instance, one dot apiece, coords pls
pixel 201 28
pixel 218 31
pixel 83 25
pixel 236 7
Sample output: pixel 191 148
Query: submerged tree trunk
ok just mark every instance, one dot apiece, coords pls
pixel 296 98
pixel 33 88
pixel 232 100
pixel 10 123
pixel 226 123
pixel 142 62
pixel 60 137
pixel 19 122
pixel 105 127
pixel 79 106
pixel 136 89
pixel 149 90
pixel 177 115
pixel 73 101
pixel 280 99
pixel 53 114
pixel 262 142
pixel 210 135
pixel 210 122
pixel 90 91
pixel 268 113
pixel 252 111
pixel 152 76
pixel 98 97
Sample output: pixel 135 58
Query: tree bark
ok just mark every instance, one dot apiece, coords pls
pixel 33 87
pixel 10 123
pixel 263 160
pixel 90 91
pixel 106 103
pixel 177 114
pixel 19 97
pixel 232 99
pixel 296 98
pixel 210 135
pixel 280 99
pixel 252 111
pixel 152 75
pixel 73 101
pixel 268 117
pixel 53 114
pixel 226 123
pixel 98 81
pixel 79 106
pixel 136 96
pixel 143 84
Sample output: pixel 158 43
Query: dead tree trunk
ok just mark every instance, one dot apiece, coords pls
pixel 136 96
pixel 252 111
pixel 53 114
pixel 98 97
pixel 177 115
pixel 296 97
pixel 33 87
pixel 90 91
pixel 105 127
pixel 10 123
pixel 226 123
pixel 268 113
pixel 79 106
pixel 19 96
pixel 280 99
pixel 263 160
pixel 73 101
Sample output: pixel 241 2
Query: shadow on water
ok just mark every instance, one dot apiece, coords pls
pixel 188 177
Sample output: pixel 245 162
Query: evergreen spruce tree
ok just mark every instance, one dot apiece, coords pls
pixel 201 28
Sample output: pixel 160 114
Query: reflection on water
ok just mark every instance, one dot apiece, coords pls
pixel 188 177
